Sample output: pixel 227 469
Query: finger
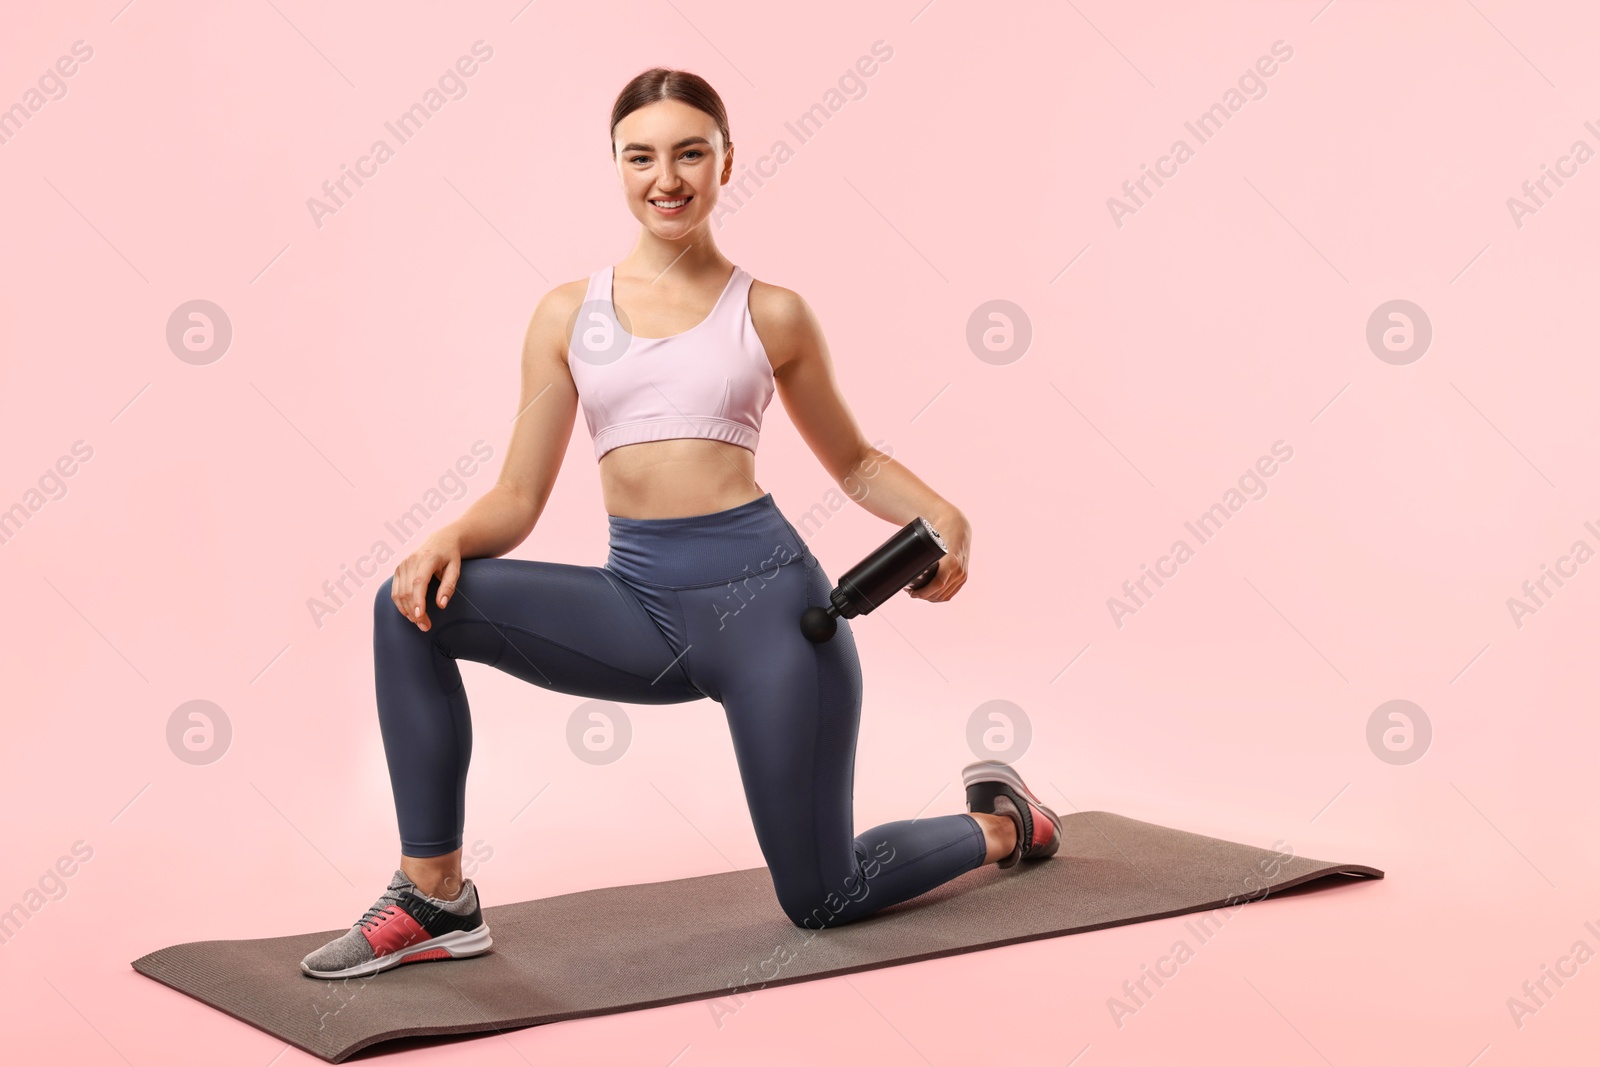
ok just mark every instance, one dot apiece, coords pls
pixel 447 582
pixel 397 590
pixel 922 585
pixel 418 599
pixel 946 587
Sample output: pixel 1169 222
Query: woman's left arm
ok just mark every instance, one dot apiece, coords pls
pixel 803 371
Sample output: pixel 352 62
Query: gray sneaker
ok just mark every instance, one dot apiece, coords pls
pixel 404 926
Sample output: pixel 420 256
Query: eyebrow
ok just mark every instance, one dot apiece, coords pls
pixel 636 146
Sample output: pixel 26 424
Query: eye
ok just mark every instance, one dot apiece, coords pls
pixel 635 159
pixel 693 152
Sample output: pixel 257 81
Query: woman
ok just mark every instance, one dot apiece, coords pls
pixel 673 354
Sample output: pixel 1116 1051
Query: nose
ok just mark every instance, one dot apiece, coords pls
pixel 670 182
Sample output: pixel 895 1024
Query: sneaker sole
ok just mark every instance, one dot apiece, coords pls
pixel 996 772
pixel 984 771
pixel 458 944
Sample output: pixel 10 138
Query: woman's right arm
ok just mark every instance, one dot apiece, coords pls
pixel 505 515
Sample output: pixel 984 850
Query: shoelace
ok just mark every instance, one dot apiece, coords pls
pixel 378 913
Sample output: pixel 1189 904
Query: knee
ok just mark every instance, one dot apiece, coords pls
pixel 800 916
pixel 813 910
pixel 383 599
pixel 385 612
pixel 817 919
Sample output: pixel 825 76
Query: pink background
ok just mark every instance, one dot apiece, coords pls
pixel 1227 313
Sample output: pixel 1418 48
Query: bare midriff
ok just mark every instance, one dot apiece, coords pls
pixel 677 477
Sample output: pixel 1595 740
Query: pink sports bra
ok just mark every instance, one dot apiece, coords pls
pixel 712 381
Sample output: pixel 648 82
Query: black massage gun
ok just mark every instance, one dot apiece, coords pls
pixel 910 558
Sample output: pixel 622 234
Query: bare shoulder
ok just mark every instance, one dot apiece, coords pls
pixel 784 322
pixel 550 328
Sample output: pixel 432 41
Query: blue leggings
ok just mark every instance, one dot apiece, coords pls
pixel 684 608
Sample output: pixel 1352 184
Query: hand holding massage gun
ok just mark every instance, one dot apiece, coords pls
pixel 910 558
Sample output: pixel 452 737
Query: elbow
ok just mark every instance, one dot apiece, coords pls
pixel 863 467
pixel 523 506
pixel 873 456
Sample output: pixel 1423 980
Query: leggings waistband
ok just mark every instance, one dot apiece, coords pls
pixel 697 550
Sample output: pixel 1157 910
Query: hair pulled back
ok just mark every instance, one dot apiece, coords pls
pixel 660 83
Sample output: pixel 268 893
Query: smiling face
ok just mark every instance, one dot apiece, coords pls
pixel 672 162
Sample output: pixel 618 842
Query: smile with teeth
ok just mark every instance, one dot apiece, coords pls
pixel 670 204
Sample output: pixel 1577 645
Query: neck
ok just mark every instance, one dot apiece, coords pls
pixel 694 256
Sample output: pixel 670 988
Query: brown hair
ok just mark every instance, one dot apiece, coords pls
pixel 659 83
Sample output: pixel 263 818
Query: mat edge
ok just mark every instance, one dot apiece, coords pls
pixel 1327 870
pixel 345 1053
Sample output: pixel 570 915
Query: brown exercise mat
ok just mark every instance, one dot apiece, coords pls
pixel 721 937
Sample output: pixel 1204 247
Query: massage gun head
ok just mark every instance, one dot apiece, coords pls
pixel 818 624
pixel 910 556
